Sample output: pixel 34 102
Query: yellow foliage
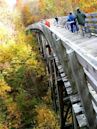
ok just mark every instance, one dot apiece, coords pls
pixel 11 107
pixel 86 5
pixel 47 99
pixel 3 126
pixel 13 112
pixel 28 18
pixel 46 118
pixel 4 87
pixel 17 57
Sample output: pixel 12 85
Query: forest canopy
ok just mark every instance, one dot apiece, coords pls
pixel 35 10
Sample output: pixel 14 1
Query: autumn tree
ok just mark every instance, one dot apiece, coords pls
pixel 21 67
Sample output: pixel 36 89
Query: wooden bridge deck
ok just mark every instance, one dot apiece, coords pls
pixel 86 45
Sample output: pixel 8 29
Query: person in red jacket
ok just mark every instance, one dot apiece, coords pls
pixel 47 23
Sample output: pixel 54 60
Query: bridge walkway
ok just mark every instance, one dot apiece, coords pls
pixel 87 45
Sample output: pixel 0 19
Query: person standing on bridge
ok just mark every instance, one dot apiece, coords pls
pixel 47 23
pixel 80 16
pixel 72 21
pixel 56 20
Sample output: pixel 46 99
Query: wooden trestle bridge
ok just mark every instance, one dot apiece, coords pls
pixel 72 65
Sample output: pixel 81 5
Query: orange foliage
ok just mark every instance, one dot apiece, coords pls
pixel 86 5
pixel 27 16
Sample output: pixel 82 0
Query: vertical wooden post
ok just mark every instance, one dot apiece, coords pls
pixel 74 120
pixel 80 80
pixel 61 103
pixel 59 88
pixel 54 84
pixel 39 42
pixel 43 45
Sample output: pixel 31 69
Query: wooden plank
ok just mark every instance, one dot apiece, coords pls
pixel 65 79
pixel 67 84
pixel 74 98
pixel 78 109
pixel 62 74
pixel 93 95
pixel 60 67
pixel 93 14
pixel 69 90
pixel 91 20
pixel 91 81
pixel 90 25
pixel 95 107
pixel 82 121
pixel 88 67
pixel 61 70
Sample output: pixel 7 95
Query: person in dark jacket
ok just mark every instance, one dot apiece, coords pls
pixel 56 18
pixel 72 21
pixel 80 16
pixel 56 21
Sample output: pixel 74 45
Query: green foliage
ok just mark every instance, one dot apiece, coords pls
pixel 23 80
pixel 24 71
pixel 22 74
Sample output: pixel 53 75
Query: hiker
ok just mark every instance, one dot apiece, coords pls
pixel 47 23
pixel 56 21
pixel 72 22
pixel 80 16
